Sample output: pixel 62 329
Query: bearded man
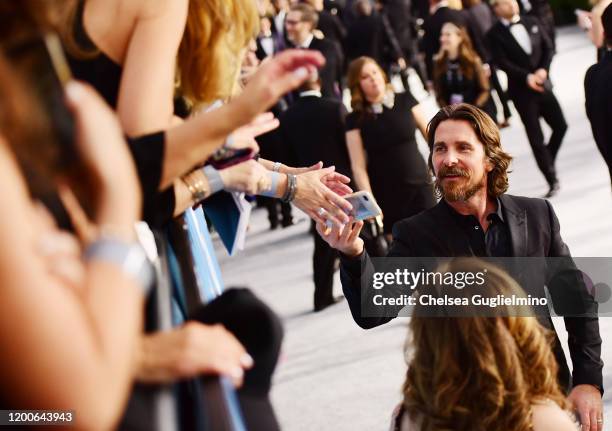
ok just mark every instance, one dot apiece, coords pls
pixel 475 217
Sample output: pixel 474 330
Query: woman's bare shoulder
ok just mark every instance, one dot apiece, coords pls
pixel 548 416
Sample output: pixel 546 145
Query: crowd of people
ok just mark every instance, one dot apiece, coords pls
pixel 119 117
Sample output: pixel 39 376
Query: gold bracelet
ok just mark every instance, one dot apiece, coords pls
pixel 195 182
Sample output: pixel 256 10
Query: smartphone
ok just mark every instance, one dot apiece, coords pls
pixel 364 205
pixel 40 60
pixel 226 157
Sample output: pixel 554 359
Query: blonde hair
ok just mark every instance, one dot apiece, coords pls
pixel 480 373
pixel 216 36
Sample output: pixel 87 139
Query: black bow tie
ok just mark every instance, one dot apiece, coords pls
pixel 515 23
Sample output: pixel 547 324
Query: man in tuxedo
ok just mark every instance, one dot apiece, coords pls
pixel 440 14
pixel 598 92
pixel 524 52
pixel 542 11
pixel 312 130
pixel 475 217
pixel 299 25
pixel 329 24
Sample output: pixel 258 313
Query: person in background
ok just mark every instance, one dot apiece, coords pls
pixel 591 22
pixel 480 19
pixel 300 23
pixel 380 135
pixel 312 130
pixel 522 49
pixel 371 35
pixel 329 24
pixel 598 95
pixel 459 76
pixel 440 14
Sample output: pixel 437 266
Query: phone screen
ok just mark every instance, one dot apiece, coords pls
pixel 364 206
pixel 40 61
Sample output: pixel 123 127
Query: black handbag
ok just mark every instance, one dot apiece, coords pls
pixel 373 237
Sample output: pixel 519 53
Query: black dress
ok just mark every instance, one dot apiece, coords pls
pixel 104 75
pixel 398 174
pixel 452 86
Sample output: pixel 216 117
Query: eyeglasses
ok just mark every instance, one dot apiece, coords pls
pixel 292 22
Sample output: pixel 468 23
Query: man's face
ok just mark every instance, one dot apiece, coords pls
pixel 297 30
pixel 459 161
pixel 506 8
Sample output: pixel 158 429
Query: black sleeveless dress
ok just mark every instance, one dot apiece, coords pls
pixel 104 75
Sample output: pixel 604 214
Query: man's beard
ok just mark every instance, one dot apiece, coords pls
pixel 454 191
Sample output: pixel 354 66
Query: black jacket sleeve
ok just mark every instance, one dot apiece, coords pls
pixel 584 340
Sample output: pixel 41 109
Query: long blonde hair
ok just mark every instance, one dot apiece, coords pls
pixel 480 373
pixel 209 57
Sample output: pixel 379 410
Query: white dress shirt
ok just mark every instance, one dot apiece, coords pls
pixel 307 42
pixel 519 32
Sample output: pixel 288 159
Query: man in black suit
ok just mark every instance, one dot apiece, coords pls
pixel 524 52
pixel 329 24
pixel 542 11
pixel 476 218
pixel 299 25
pixel 598 92
pixel 440 15
pixel 312 130
pixel 371 35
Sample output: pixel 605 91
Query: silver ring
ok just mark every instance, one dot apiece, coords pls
pixel 321 211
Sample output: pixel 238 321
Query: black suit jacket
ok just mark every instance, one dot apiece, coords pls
pixel 598 93
pixel 534 232
pixel 508 55
pixel 332 27
pixel 312 130
pixel 331 73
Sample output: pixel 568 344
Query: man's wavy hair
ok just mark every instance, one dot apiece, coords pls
pixel 488 135
pixel 479 373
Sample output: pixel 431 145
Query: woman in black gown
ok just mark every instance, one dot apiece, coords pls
pixel 382 146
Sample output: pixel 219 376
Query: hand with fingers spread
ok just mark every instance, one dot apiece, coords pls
pixel 344 238
pixel 587 401
pixel 312 195
pixel 191 350
pixel 337 183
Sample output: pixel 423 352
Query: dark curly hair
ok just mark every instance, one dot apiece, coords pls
pixel 488 134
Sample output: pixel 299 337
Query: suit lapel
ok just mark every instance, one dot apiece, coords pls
pixel 534 38
pixel 505 31
pixel 517 224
